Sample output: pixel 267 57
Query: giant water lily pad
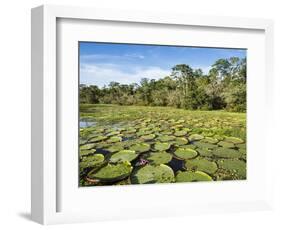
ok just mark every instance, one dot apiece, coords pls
pixel 159 157
pixel 162 146
pixel 237 167
pixel 114 139
pixel 87 146
pixel 148 137
pixel 113 133
pixel 226 153
pixel 115 148
pixel 166 138
pixel 195 137
pixel 140 147
pixel 185 153
pixel 153 174
pixel 204 165
pixel 210 140
pixel 204 145
pixel 97 139
pixel 226 144
pixel 204 152
pixel 91 161
pixel 123 155
pixel 192 176
pixel 129 130
pixel 180 133
pixel 234 140
pixel 85 152
pixel 111 172
pixel 181 141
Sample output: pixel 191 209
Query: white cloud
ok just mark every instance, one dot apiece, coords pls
pixel 101 75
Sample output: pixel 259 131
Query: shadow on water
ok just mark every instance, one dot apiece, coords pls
pixel 176 164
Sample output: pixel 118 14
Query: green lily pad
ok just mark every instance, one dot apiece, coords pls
pixel 166 138
pixel 140 147
pixel 97 139
pixel 85 152
pixel 210 140
pixel 241 146
pixel 218 137
pixel 226 153
pixel 153 174
pixel 166 132
pixel 195 137
pixel 115 148
pixel 114 139
pixel 111 172
pixel 148 137
pixel 159 157
pixel 204 165
pixel 189 146
pixel 204 145
pixel 226 144
pixel 180 133
pixel 91 161
pixel 237 167
pixel 113 133
pixel 162 146
pixel 234 140
pixel 123 155
pixel 181 141
pixel 130 131
pixel 87 146
pixel 204 152
pixel 185 153
pixel 192 176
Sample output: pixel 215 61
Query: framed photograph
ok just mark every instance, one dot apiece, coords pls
pixel 138 114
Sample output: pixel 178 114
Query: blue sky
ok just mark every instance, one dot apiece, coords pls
pixel 101 63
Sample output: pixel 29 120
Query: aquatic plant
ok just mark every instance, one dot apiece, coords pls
pixel 111 172
pixel 159 157
pixel 185 153
pixel 91 161
pixel 234 166
pixel 201 164
pixel 153 174
pixel 188 176
pixel 140 147
pixel 226 153
pixel 161 146
pixel 123 155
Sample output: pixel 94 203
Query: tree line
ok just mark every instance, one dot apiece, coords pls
pixel 224 87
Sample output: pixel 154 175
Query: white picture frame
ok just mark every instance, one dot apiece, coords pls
pixel 46 196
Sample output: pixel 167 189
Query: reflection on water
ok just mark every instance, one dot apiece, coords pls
pixel 84 124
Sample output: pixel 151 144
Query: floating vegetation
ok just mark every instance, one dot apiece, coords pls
pixel 195 137
pixel 111 172
pixel 153 174
pixel 91 161
pixel 201 164
pixel 161 146
pixel 188 176
pixel 123 155
pixel 185 153
pixel 140 145
pixel 226 153
pixel 236 167
pixel 159 157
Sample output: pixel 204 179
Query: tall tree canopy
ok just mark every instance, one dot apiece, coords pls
pixel 224 87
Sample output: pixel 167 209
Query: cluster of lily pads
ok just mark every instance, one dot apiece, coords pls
pixel 159 149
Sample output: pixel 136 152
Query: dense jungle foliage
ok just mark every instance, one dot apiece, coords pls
pixel 224 87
